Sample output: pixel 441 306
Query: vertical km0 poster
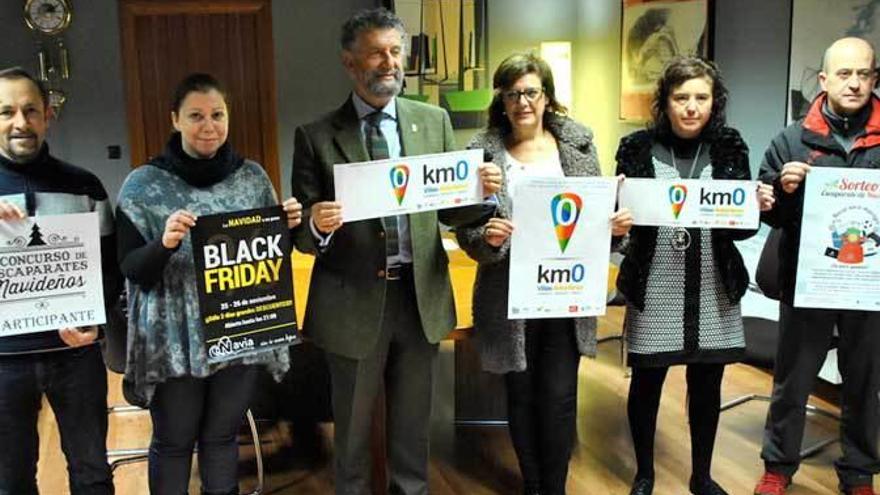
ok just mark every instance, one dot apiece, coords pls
pixel 560 247
pixel 245 282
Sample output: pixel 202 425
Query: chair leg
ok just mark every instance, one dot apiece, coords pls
pixel 742 400
pixel 822 412
pixel 258 452
pixel 609 338
pixel 817 447
pixel 806 452
pixel 125 456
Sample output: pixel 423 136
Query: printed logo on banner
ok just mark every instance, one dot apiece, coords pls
pixel 853 235
pixel 67 266
pixel 565 209
pixel 50 274
pixel 677 196
pixel 399 180
pixel 442 179
pixel 845 188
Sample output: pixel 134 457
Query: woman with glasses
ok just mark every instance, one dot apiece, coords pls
pixel 190 400
pixel 529 135
pixel 683 286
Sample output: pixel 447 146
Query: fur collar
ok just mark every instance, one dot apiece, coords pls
pixel 729 155
pixel 576 153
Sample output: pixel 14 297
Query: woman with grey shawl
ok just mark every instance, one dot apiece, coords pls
pixel 190 400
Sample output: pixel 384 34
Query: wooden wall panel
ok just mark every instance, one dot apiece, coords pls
pixel 165 40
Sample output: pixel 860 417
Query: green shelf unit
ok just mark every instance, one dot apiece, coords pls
pixel 477 100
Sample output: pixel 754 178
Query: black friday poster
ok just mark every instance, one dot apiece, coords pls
pixel 243 272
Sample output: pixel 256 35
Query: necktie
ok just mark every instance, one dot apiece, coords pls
pixel 377 146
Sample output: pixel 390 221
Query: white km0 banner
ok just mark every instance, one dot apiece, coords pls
pixel 727 204
pixel 409 184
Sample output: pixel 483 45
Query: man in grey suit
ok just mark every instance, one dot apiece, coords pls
pixel 380 298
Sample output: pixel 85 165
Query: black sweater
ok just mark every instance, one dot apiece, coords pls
pixel 46 180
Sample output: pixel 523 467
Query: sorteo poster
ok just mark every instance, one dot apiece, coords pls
pixel 243 271
pixel 50 273
pixel 838 262
pixel 560 247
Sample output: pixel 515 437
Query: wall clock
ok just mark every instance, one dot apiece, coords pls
pixel 49 17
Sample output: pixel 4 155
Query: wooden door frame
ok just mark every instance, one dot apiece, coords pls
pixel 130 9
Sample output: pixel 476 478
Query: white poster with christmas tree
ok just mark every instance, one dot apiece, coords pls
pixel 50 273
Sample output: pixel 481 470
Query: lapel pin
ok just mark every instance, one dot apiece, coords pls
pixel 415 128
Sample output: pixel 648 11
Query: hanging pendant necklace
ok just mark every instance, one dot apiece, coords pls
pixel 681 238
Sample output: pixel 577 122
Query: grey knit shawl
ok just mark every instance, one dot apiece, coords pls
pixel 165 332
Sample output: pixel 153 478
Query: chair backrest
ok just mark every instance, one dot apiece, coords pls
pixel 767 273
pixel 762 338
pixel 114 345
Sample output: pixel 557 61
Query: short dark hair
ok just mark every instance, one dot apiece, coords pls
pixel 678 71
pixel 508 72
pixel 15 73
pixel 199 83
pixel 368 20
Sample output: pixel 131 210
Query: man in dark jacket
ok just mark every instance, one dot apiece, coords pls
pixel 841 129
pixel 63 364
pixel 380 299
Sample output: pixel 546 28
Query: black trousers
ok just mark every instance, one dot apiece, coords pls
pixel 804 339
pixel 542 405
pixel 205 410
pixel 704 391
pixel 75 383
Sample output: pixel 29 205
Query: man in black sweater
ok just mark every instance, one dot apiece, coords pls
pixel 63 364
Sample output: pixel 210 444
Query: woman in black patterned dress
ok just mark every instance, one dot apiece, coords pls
pixel 683 285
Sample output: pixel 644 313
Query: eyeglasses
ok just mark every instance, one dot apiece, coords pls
pixel 513 96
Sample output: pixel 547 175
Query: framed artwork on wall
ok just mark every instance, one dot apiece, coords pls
pixel 814 26
pixel 651 33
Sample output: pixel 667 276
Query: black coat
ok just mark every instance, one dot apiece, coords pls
pixel 729 157
pixel 809 140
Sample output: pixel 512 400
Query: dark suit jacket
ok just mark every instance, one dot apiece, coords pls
pixel 347 291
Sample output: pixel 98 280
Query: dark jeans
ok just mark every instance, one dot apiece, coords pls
pixel 542 405
pixel 75 382
pixel 804 339
pixel 205 410
pixel 704 403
